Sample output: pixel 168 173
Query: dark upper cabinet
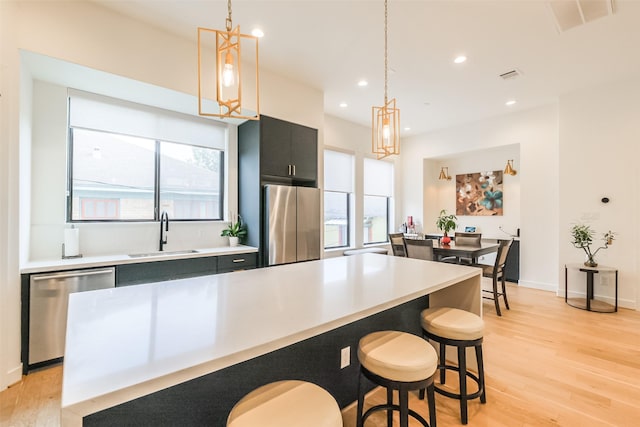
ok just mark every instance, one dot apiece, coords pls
pixel 288 150
pixel 271 151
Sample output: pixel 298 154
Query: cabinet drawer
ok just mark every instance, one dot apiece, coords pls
pixel 228 263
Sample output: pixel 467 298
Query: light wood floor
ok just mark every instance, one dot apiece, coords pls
pixel 547 364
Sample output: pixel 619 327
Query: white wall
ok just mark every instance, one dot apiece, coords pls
pixel 84 33
pixel 599 134
pixel 356 139
pixel 535 132
pixel 442 194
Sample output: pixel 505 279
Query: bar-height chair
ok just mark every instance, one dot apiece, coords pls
pixel 463 239
pixel 397 245
pixel 496 272
pixel 419 248
pixel 467 239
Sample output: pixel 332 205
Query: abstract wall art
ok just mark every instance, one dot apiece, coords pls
pixel 479 194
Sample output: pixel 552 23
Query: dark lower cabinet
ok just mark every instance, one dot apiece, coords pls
pixel 160 271
pixel 512 266
pixel 228 263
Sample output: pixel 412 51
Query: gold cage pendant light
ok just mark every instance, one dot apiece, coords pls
pixel 386 119
pixel 228 71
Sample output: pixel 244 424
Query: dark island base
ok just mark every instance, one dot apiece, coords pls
pixel 208 400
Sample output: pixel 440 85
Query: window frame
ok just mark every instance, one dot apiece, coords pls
pixel 349 222
pixel 386 223
pixel 156 180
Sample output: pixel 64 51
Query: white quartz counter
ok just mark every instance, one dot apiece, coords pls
pixel 126 342
pixel 106 260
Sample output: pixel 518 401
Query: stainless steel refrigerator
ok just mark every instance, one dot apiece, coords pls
pixel 292 224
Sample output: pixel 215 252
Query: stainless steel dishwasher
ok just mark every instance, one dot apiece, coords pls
pixel 48 302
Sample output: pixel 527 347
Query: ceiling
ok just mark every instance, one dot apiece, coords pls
pixel 331 45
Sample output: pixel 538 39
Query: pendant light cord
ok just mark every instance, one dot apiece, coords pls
pixel 229 24
pixel 385 52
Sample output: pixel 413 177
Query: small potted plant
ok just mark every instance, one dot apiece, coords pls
pixel 235 230
pixel 446 223
pixel 583 238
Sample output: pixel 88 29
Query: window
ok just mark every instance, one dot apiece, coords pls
pixel 338 187
pixel 123 167
pixel 378 193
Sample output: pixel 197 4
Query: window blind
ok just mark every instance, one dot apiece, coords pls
pixel 378 178
pixel 338 171
pixel 99 112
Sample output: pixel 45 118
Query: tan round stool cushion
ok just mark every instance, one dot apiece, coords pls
pixel 397 356
pixel 452 323
pixel 286 403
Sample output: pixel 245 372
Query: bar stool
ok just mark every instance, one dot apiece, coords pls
pixel 286 403
pixel 461 329
pixel 397 361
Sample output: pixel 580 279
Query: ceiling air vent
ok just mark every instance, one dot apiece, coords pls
pixel 511 74
pixel 569 14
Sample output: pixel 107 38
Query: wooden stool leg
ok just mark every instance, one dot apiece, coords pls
pixel 462 364
pixel 431 397
pixel 403 397
pixel 480 362
pixel 360 401
pixel 389 411
pixel 442 362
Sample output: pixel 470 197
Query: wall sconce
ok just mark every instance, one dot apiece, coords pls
pixel 444 174
pixel 509 170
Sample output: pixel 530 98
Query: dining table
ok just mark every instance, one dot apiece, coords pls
pixel 472 252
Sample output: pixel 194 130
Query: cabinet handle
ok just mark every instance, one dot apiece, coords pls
pixel 289 170
pixel 238 260
pixel 294 170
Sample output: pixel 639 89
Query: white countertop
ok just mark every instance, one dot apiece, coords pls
pixel 126 342
pixel 106 260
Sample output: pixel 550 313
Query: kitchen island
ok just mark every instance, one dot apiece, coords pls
pixel 190 348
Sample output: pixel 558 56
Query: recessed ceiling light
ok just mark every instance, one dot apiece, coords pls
pixel 363 83
pixel 460 59
pixel 407 128
pixel 510 102
pixel 343 105
pixel 257 32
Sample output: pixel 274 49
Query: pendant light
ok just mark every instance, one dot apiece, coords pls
pixel 386 119
pixel 444 174
pixel 509 170
pixel 228 71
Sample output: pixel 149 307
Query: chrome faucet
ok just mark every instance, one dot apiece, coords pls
pixel 164 219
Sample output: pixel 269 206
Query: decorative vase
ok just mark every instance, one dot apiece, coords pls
pixel 233 241
pixel 445 239
pixel 590 262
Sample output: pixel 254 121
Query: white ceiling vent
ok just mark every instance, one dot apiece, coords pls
pixel 572 13
pixel 512 74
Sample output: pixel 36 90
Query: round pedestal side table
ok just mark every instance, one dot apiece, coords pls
pixel 589 302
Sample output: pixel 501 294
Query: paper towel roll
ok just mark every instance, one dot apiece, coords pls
pixel 71 241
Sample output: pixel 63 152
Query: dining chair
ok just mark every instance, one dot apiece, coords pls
pixel 467 239
pixel 419 248
pixel 397 245
pixel 496 272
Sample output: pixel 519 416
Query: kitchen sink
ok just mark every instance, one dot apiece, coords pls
pixel 163 253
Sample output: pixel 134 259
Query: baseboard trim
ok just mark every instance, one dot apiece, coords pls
pixel 538 285
pixel 14 375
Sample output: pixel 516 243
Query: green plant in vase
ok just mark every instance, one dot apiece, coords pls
pixel 583 238
pixel 235 231
pixel 446 223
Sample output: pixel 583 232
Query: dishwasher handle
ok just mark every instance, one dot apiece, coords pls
pixel 72 274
